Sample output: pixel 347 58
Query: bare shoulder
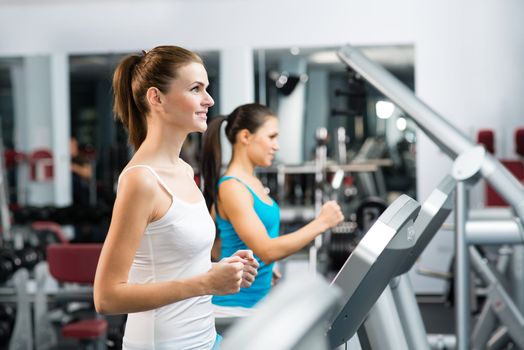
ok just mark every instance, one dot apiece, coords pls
pixel 138 181
pixel 233 190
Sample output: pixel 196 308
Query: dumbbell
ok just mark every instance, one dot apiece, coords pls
pixel 368 212
pixel 11 260
pixel 343 241
pixel 9 263
pixel 29 257
pixel 7 321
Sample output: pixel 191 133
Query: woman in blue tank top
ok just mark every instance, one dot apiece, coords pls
pixel 247 218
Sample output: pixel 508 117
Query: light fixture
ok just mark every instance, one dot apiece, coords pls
pixel 285 82
pixel 384 109
pixel 401 123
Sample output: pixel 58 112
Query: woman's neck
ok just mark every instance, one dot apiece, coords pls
pixel 163 145
pixel 241 164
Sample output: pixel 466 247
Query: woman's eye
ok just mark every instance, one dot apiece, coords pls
pixel 195 89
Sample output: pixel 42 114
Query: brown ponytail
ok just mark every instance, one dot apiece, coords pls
pixel 211 160
pixel 125 108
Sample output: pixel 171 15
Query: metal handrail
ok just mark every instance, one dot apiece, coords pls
pixel 446 136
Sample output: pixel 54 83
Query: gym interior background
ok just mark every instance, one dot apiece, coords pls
pixel 56 62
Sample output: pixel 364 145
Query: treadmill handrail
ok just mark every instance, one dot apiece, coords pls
pixel 446 136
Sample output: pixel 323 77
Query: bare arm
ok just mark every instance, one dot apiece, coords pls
pixel 237 204
pixel 82 170
pixel 136 205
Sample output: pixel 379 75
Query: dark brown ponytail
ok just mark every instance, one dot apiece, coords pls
pixel 125 108
pixel 211 159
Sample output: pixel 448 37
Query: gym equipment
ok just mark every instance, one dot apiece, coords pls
pixel 45 335
pixel 275 325
pixel 76 263
pixel 497 306
pixel 5 218
pixel 9 263
pixel 432 215
pixel 371 266
pixel 320 175
pixel 440 131
pixel 368 212
pixel 344 238
pixel 33 242
pixel 21 338
pixel 475 162
pixel 7 320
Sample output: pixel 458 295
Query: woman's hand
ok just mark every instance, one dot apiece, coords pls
pixel 226 276
pixel 250 267
pixel 330 215
pixel 277 275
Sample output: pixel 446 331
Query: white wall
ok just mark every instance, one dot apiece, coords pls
pixel 116 26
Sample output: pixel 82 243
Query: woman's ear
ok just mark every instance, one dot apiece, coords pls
pixel 153 96
pixel 244 136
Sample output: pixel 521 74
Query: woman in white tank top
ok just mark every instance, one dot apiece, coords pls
pixel 155 264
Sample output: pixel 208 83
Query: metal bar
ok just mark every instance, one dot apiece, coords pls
pixel 517 276
pixel 383 325
pixel 505 309
pixel 447 137
pixel 484 326
pixel 409 313
pixel 462 288
pixel 494 213
pixel 504 231
pixel 5 216
pixel 261 54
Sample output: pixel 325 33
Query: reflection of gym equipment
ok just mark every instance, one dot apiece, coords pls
pixel 76 263
pixel 34 240
pixel 372 183
pixel 324 191
pixel 5 217
pixel 7 320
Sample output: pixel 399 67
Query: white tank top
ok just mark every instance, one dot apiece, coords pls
pixel 176 246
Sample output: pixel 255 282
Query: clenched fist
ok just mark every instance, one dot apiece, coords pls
pixel 330 215
pixel 225 277
pixel 250 267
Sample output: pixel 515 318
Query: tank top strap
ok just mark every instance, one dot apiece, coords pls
pixel 225 178
pixel 151 170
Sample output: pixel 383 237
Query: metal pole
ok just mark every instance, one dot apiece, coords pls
pixel 409 312
pixel 440 131
pixel 462 306
pixel 5 216
pixel 320 168
pixel 261 54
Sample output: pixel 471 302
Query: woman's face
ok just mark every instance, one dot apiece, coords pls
pixel 187 101
pixel 263 144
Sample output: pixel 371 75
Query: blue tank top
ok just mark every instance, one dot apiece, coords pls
pixel 269 214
